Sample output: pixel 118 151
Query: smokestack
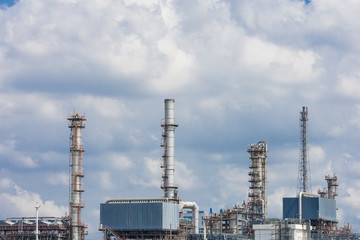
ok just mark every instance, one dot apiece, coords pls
pixel 168 143
pixel 77 227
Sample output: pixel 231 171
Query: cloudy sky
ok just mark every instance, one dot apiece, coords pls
pixel 239 71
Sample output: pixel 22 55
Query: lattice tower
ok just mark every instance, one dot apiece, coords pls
pixel 304 178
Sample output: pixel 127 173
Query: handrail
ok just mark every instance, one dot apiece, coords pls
pixel 113 233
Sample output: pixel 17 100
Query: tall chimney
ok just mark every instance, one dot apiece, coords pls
pixel 168 139
pixel 76 125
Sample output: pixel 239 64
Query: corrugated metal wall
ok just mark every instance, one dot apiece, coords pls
pixel 327 209
pixel 312 208
pixel 140 216
pixel 290 208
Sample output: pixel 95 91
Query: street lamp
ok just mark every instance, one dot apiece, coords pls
pixel 37 206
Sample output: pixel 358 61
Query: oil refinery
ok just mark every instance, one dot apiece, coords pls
pixel 305 216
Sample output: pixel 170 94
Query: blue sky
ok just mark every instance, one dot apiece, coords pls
pixel 8 3
pixel 239 71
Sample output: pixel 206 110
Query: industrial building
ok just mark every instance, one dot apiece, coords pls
pixel 306 216
pixel 25 228
pixel 65 228
pixel 153 217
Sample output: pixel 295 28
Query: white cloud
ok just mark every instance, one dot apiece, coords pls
pixel 59 179
pixel 275 200
pixel 105 106
pixel 283 64
pixel 149 175
pixel 316 154
pixel 234 67
pixel 349 85
pixel 21 202
pixel 119 161
pixel 105 180
pixel 31 106
pixel 186 178
pixel 351 199
pixel 229 178
pixel 217 157
pixel 7 150
pixel 177 71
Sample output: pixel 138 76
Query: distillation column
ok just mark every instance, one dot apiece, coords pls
pixel 304 184
pixel 77 227
pixel 168 143
pixel 332 186
pixel 258 181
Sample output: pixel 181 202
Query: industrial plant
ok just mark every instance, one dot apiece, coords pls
pixel 65 228
pixel 305 216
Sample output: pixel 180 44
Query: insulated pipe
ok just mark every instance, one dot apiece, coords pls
pixel 195 213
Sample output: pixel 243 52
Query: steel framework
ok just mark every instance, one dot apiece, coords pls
pixel 258 181
pixel 304 178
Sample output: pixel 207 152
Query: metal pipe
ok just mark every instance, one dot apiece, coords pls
pixel 141 200
pixel 168 144
pixel 195 213
pixel 37 206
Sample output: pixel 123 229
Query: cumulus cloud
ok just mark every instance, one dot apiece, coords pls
pixel 59 179
pixel 186 178
pixel 150 175
pixel 21 160
pixel 229 177
pixel 275 200
pixel 235 68
pixel 317 154
pixel 20 202
pixel 105 180
pixel 119 161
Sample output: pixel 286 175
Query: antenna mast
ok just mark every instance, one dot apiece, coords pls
pixel 304 184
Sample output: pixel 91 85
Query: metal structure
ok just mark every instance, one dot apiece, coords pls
pixel 76 124
pixel 257 203
pixel 139 218
pixel 49 228
pixel 168 143
pixel 195 214
pixel 320 210
pixel 304 184
pixel 332 186
pixel 37 206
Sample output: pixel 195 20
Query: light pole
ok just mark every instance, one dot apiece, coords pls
pixel 37 206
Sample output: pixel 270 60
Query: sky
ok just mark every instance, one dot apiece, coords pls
pixel 239 71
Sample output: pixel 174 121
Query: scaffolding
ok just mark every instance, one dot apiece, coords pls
pixel 257 203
